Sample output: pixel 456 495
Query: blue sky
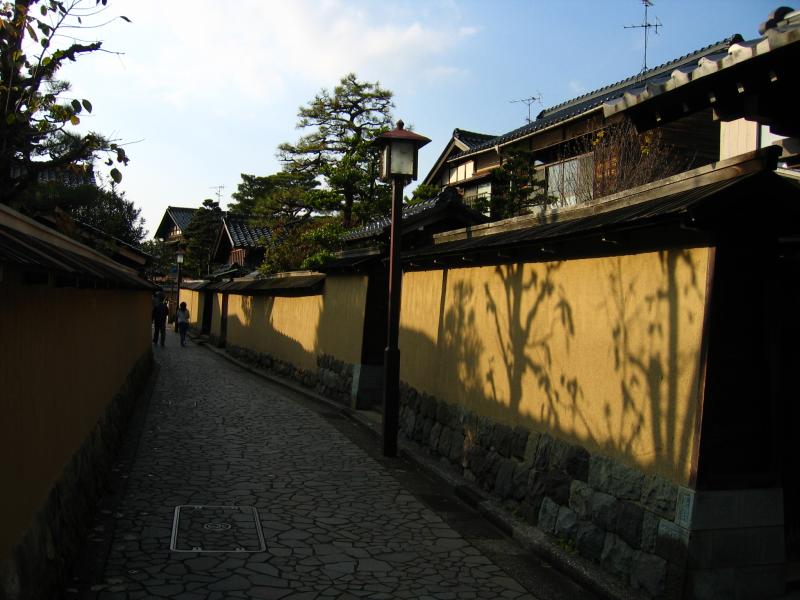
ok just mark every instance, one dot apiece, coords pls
pixel 205 90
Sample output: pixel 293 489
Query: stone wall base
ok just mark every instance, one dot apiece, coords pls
pixel 332 379
pixel 613 514
pixel 40 564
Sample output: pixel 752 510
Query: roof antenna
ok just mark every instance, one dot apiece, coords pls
pixel 537 97
pixel 218 193
pixel 647 26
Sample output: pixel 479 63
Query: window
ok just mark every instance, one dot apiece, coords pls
pixel 461 172
pixel 570 182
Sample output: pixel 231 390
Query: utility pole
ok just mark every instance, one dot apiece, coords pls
pixel 528 101
pixel 646 26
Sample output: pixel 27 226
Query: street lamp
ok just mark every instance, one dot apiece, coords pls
pixel 399 150
pixel 179 260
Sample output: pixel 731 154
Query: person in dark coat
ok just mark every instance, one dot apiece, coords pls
pixel 160 312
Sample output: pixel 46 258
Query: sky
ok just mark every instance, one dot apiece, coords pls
pixel 201 91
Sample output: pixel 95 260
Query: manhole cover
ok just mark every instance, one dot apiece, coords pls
pixel 216 529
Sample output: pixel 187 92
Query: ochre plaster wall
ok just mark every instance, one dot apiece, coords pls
pixel 603 352
pixel 216 314
pixel 194 303
pixel 65 354
pixel 297 329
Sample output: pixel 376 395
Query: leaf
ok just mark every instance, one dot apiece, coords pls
pixel 31 32
pixel 74 120
pixel 43 10
pixel 116 175
pixel 87 105
pixel 11 118
pixel 76 106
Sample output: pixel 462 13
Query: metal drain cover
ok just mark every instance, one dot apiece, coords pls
pixel 216 529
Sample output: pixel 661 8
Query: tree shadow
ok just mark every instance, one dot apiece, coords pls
pixel 657 369
pixel 530 314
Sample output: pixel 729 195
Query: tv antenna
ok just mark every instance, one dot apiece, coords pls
pixel 646 26
pixel 218 193
pixel 528 101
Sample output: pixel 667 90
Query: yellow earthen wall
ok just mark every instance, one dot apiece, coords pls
pixel 65 354
pixel 603 352
pixel 297 329
pixel 194 303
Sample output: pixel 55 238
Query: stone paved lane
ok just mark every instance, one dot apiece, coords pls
pixel 336 522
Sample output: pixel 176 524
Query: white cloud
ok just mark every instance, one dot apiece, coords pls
pixel 210 55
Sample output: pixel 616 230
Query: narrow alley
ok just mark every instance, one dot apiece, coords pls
pixel 231 486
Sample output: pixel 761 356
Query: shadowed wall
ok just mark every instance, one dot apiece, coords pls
pixel 603 352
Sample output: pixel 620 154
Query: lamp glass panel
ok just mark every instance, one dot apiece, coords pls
pixel 385 162
pixel 179 257
pixel 402 158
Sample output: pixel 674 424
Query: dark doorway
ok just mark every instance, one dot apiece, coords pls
pixel 223 321
pixel 208 309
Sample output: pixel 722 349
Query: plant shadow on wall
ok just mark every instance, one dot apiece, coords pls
pixel 529 315
pixel 453 359
pixel 648 358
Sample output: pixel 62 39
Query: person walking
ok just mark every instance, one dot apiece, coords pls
pixel 160 311
pixel 182 316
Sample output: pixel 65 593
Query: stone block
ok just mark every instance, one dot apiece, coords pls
pixel 576 463
pixel 566 524
pixel 548 514
pixel 501 439
pixel 542 460
pixel 504 482
pixel 443 412
pixel 411 398
pixel 617 556
pixel 445 440
pixel 491 465
pixel 627 483
pixel 659 496
pixel 428 406
pixel 600 472
pixel 409 422
pixel 604 510
pixel 580 495
pixel 475 458
pixel 519 439
pixel 484 432
pixel 433 436
pixel 456 446
pixel 419 428
pixel 649 532
pixel 589 540
pixel 427 426
pixel 531 446
pixel 672 542
pixel 559 449
pixel 520 481
pixel 555 486
pixel 649 573
pixel 629 523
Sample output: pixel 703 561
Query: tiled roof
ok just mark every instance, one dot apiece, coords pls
pixel 587 102
pixel 471 138
pixel 181 216
pixel 245 235
pixel 785 32
pixel 382 224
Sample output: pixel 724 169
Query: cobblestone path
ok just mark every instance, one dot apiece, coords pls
pixel 336 522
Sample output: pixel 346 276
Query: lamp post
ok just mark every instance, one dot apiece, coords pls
pixel 179 260
pixel 399 150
